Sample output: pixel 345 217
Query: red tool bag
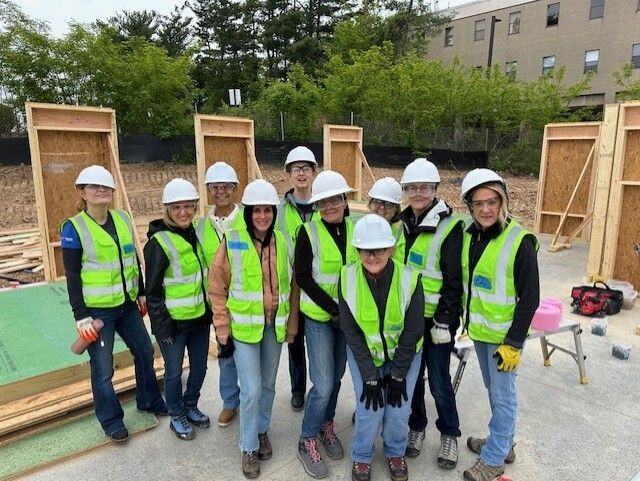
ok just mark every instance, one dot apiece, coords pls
pixel 596 301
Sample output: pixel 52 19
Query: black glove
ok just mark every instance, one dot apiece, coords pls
pixel 372 394
pixel 396 390
pixel 225 351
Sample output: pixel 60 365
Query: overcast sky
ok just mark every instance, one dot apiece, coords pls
pixel 59 12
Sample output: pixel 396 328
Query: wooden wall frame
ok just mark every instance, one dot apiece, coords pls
pixel 227 139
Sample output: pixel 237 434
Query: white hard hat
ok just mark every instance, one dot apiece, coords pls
pixel 328 184
pixel 260 192
pixel 300 154
pixel 372 232
pixel 179 189
pixel 95 174
pixel 221 172
pixel 476 178
pixel 387 189
pixel 420 170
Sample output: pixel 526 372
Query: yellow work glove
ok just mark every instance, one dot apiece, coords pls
pixel 508 357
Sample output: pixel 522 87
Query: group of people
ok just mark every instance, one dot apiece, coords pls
pixel 386 294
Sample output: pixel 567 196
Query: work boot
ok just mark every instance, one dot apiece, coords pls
pixel 226 417
pixel 361 472
pixel 297 401
pixel 483 472
pixel 332 445
pixel 398 468
pixel 250 464
pixel 198 418
pixel 414 443
pixel 448 455
pixel 475 445
pixel 119 435
pixel 264 451
pixel 182 427
pixel 312 462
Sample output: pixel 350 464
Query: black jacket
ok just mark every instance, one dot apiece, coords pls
pixel 525 274
pixel 412 332
pixel 156 263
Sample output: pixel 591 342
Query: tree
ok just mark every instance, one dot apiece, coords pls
pixel 127 24
pixel 628 82
pixel 174 32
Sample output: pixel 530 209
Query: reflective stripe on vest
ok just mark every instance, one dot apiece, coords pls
pixel 289 220
pixel 357 295
pixel 208 235
pixel 102 271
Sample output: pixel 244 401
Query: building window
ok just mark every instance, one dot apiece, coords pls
pixel 448 36
pixel 597 9
pixel 635 55
pixel 510 69
pixel 591 60
pixel 514 23
pixel 479 32
pixel 548 64
pixel 553 14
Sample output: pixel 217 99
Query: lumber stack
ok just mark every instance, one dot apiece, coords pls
pixel 20 250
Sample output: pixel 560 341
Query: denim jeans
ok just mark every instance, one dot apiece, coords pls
pixel 392 419
pixel 503 400
pixel 196 343
pixel 298 361
pixel 228 383
pixel 437 359
pixel 257 369
pixel 327 361
pixel 127 322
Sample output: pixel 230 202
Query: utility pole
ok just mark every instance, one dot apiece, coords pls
pixel 494 20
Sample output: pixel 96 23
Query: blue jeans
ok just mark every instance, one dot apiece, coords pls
pixel 197 344
pixel 437 359
pixel 126 321
pixel 503 401
pixel 257 369
pixel 326 347
pixel 392 419
pixel 228 383
pixel 298 361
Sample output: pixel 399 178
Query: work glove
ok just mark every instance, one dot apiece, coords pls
pixel 372 394
pixel 142 305
pixel 86 330
pixel 440 333
pixel 396 391
pixel 508 357
pixel 167 340
pixel 225 351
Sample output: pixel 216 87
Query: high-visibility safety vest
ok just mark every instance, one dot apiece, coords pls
pixel 490 304
pixel 245 301
pixel 208 235
pixel 186 277
pixel 424 256
pixel 103 263
pixel 289 220
pixel 326 265
pixel 381 337
pixel 397 230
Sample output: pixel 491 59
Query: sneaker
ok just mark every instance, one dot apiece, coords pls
pixel 361 472
pixel 297 402
pixel 475 445
pixel 119 436
pixel 182 427
pixel 312 462
pixel 414 443
pixel 483 472
pixel 197 418
pixel 250 464
pixel 332 445
pixel 398 468
pixel 448 455
pixel 226 417
pixel 264 451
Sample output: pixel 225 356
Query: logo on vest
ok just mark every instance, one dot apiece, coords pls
pixel 128 248
pixel 482 282
pixel 416 259
pixel 238 245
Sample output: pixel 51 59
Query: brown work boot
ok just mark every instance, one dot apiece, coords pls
pixel 398 469
pixel 475 445
pixel 361 472
pixel 264 451
pixel 250 464
pixel 226 417
pixel 483 472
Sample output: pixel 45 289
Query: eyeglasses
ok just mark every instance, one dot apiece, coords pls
pixel 226 186
pixel 372 252
pixel 190 207
pixel 305 169
pixel 412 190
pixel 331 202
pixel 377 203
pixel 97 187
pixel 479 204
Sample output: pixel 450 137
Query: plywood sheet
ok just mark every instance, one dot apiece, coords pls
pixel 627 262
pixel 233 151
pixel 342 145
pixel 343 155
pixel 631 169
pixel 549 224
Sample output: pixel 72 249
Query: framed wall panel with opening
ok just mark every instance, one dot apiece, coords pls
pixel 479 30
pixel 553 14
pixel 514 23
pixel 548 64
pixel 591 60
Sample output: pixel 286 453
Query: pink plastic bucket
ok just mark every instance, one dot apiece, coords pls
pixel 547 316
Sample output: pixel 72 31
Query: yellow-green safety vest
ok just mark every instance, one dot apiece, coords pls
pixel 208 235
pixel 492 302
pixel 101 268
pixel 382 340
pixel 289 220
pixel 401 242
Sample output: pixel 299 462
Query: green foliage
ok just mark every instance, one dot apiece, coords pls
pixel 7 119
pixel 628 81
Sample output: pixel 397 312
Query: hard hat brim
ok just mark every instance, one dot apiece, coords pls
pixel 373 244
pixel 384 197
pixel 111 185
pixel 329 193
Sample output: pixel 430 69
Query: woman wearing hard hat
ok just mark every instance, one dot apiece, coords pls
pixel 432 239
pixel 222 181
pixel 381 305
pixel 385 198
pixel 176 273
pixel 104 283
pixel 255 303
pixel 501 294
pixel 322 248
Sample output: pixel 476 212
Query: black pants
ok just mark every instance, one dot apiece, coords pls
pixel 298 360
